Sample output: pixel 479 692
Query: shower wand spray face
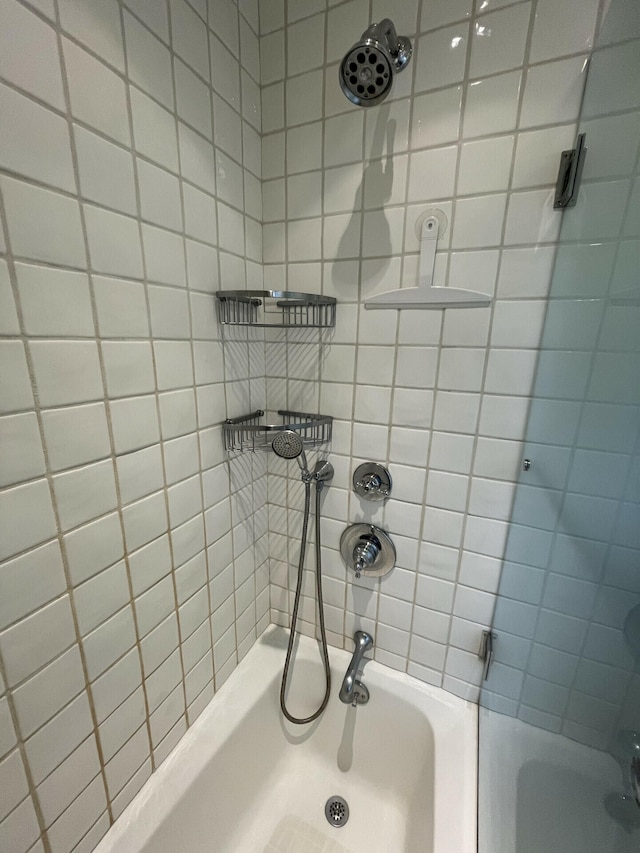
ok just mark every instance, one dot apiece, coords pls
pixel 288 445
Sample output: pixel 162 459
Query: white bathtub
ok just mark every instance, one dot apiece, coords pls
pixel 243 780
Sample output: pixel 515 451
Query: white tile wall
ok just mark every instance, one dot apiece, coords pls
pixel 117 511
pixel 389 379
pixel 112 387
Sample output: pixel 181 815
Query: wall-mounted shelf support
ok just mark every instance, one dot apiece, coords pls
pixel 426 295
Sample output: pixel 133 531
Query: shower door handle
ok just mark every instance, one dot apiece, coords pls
pixel 486 652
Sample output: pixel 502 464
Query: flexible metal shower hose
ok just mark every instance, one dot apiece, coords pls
pixel 296 603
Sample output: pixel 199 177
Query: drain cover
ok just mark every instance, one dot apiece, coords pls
pixel 336 811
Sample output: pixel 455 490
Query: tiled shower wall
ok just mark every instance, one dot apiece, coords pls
pixel 130 167
pixel 474 127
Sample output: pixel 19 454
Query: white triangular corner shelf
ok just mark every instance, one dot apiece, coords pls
pixel 426 295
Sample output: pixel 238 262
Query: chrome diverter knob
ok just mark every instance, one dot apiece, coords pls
pixel 367 550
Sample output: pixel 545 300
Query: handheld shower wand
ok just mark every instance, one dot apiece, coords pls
pixel 288 445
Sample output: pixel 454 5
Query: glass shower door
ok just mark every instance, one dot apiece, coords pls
pixel 560 710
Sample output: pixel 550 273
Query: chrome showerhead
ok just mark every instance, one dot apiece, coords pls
pixel 366 72
pixel 288 445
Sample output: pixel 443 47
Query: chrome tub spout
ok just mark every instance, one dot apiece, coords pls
pixel 352 691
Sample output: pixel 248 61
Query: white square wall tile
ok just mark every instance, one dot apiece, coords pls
pixel 343 139
pixel 21 456
pixel 66 371
pixel 461 369
pixel 47 157
pixel 26 518
pixel 22 828
pixel 478 221
pixel 169 312
pixel 75 435
pixel 251 100
pixel 106 171
pixel 193 98
pixel 13 783
pixel 42 696
pixel 536 160
pixel 29 54
pixel 225 72
pixel 58 738
pixel 197 157
pixel 121 307
pixel 30 581
pixel 148 61
pixel 436 117
pixel 304 98
pixel 7 732
pixel 485 165
pixel 109 642
pixel 440 12
pixel 432 174
pixel 305 45
pixel 441 56
pixel 499 40
pixel 154 130
pixel 553 92
pixel 36 640
pixel 558 31
pixel 200 214
pixel 395 120
pixel 9 324
pixel 86 75
pixel 159 197
pixel 114 242
pixel 99 598
pixel 456 412
pixel 164 256
pixel 128 367
pixel 43 225
pixel 304 195
pixel 475 270
pixel 15 383
pixel 97 25
pixel 135 423
pixel 55 302
pixel 190 37
pixel 85 493
pixel 382 232
pixel 93 547
pixel 531 218
pixel 303 150
pixel 492 104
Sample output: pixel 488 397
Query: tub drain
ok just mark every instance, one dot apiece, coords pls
pixel 336 811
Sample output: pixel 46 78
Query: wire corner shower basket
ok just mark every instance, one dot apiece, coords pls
pixel 249 433
pixel 275 308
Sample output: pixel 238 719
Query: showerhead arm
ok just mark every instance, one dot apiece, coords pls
pixel 384 32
